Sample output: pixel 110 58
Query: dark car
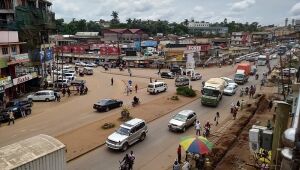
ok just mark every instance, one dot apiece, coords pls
pixel 168 75
pixel 175 69
pixel 107 104
pixel 17 106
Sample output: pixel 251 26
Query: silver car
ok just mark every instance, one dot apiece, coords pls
pixel 182 120
pixel 129 132
pixel 230 89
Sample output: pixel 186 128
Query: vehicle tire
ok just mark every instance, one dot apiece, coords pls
pixel 143 136
pixel 125 147
pixel 47 100
pixel 28 112
pixel 107 109
pixel 183 129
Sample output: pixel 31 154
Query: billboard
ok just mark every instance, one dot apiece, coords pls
pixel 202 48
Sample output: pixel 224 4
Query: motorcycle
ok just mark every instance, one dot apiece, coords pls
pixel 135 103
pixel 123 165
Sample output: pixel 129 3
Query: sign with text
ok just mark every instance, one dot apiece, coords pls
pixel 198 47
pixel 21 57
pixel 22 79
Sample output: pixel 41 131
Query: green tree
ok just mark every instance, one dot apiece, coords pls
pixel 115 18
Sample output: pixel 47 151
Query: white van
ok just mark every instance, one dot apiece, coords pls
pixel 88 71
pixel 157 87
pixel 45 95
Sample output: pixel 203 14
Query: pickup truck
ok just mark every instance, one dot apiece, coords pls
pixel 16 106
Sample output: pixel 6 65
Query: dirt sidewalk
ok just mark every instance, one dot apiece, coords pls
pixel 91 136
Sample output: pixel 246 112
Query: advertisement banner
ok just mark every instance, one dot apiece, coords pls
pixel 49 55
pixel 202 48
pixel 22 79
pixel 109 51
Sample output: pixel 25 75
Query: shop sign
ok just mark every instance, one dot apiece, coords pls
pixel 4 81
pixel 21 57
pixel 198 47
pixel 22 79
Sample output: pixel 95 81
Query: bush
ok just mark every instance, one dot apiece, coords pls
pixel 186 91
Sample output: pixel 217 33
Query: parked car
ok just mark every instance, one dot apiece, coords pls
pixel 168 75
pixel 91 65
pixel 182 81
pixel 62 83
pixel 157 87
pixel 17 106
pixel 175 69
pixel 69 76
pixel 129 132
pixel 230 89
pixel 44 95
pixel 88 71
pixel 286 71
pixel 182 120
pixel 197 76
pixel 107 104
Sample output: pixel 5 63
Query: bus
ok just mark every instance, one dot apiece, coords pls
pixel 262 60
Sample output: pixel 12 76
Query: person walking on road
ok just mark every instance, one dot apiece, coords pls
pixel 150 79
pixel 238 103
pixel 270 105
pixel 234 113
pixel 179 154
pixel 64 92
pixel 69 92
pixel 216 119
pixel 136 88
pixel 198 128
pixel 11 117
pixel 112 81
pixel 23 112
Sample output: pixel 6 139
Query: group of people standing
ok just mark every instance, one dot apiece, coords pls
pixel 249 91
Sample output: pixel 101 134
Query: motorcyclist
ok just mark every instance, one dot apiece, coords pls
pixel 135 100
pixel 206 129
pixel 124 164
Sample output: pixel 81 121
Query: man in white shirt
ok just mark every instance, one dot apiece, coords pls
pixel 198 128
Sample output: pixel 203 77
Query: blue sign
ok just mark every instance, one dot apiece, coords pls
pixel 137 45
pixel 149 43
pixel 49 55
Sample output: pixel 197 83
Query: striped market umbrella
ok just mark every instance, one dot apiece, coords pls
pixel 196 145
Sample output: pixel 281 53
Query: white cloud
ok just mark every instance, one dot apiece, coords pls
pixel 295 10
pixel 242 5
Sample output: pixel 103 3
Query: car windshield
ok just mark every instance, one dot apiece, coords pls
pixel 211 92
pixel 180 117
pixel 103 102
pixel 229 88
pixel 123 131
pixel 150 86
pixel 239 76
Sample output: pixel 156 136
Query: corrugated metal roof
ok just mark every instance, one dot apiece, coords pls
pixel 19 153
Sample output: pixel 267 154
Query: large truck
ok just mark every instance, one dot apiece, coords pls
pixel 212 91
pixel 243 71
pixel 41 152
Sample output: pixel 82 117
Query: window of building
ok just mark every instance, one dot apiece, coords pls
pixel 4 50
pixel 14 49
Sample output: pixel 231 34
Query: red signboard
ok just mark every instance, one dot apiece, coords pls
pixel 109 51
pixel 202 48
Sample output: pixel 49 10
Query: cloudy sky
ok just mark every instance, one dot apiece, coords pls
pixel 263 11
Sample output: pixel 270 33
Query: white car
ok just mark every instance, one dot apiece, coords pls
pixel 182 120
pixel 80 63
pixel 44 95
pixel 228 81
pixel 91 65
pixel 69 76
pixel 230 89
pixel 197 76
pixel 129 133
pixel 286 71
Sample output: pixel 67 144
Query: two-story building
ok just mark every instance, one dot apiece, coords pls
pixel 18 76
pixel 242 39
pixel 120 35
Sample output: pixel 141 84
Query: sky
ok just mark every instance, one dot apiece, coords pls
pixel 265 12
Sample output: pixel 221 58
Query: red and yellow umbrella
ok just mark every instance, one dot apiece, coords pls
pixel 196 145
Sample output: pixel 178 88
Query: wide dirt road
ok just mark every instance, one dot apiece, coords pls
pixel 158 151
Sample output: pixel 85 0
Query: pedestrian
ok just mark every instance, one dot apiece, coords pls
pixel 112 81
pixel 86 90
pixel 69 92
pixel 64 92
pixel 11 117
pixel 234 112
pixel 136 88
pixel 238 103
pixel 130 89
pixel 242 104
pixel 81 90
pixel 150 79
pixel 78 89
pixel 127 90
pixel 176 165
pixel 179 154
pixel 23 112
pixel 216 119
pixel 262 84
pixel 198 128
pixel 231 107
pixel 132 158
pixel 58 97
pixel 270 105
pixel 186 166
